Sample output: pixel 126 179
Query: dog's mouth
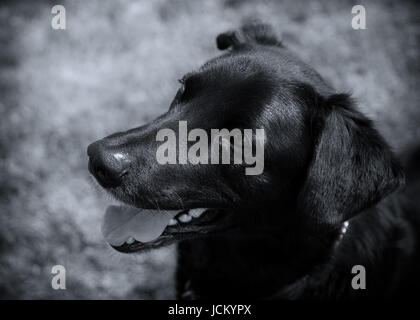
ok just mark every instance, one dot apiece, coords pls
pixel 129 229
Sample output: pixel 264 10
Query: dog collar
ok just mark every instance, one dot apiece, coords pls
pixel 343 231
pixel 345 225
pixel 344 228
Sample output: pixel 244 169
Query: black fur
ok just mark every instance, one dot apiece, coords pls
pixel 249 33
pixel 325 163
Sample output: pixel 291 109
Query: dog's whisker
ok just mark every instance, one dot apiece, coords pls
pixel 179 199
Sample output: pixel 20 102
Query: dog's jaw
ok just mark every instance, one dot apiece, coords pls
pixel 186 224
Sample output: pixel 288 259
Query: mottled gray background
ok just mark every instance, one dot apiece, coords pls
pixel 115 67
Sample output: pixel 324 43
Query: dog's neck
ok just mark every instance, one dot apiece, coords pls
pixel 285 255
pixel 293 264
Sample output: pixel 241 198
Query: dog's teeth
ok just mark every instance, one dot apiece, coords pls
pixel 130 240
pixel 185 218
pixel 172 222
pixel 196 212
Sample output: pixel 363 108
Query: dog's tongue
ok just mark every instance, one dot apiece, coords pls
pixel 122 222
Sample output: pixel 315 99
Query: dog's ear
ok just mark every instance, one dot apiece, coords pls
pixel 249 33
pixel 352 167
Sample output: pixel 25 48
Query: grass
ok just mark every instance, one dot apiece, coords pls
pixel 115 67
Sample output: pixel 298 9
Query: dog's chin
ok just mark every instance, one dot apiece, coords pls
pixel 170 226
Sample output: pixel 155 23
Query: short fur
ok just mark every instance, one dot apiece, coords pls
pixel 325 163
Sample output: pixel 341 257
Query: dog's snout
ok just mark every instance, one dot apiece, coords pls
pixel 107 164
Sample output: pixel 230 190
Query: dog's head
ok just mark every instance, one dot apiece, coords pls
pixel 323 161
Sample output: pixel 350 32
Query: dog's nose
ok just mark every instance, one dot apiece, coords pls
pixel 106 164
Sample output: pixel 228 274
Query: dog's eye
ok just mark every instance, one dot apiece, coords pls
pixel 181 89
pixel 188 87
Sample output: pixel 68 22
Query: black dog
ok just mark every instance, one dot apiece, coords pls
pixel 323 204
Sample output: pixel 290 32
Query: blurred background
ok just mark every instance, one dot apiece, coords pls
pixel 115 67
